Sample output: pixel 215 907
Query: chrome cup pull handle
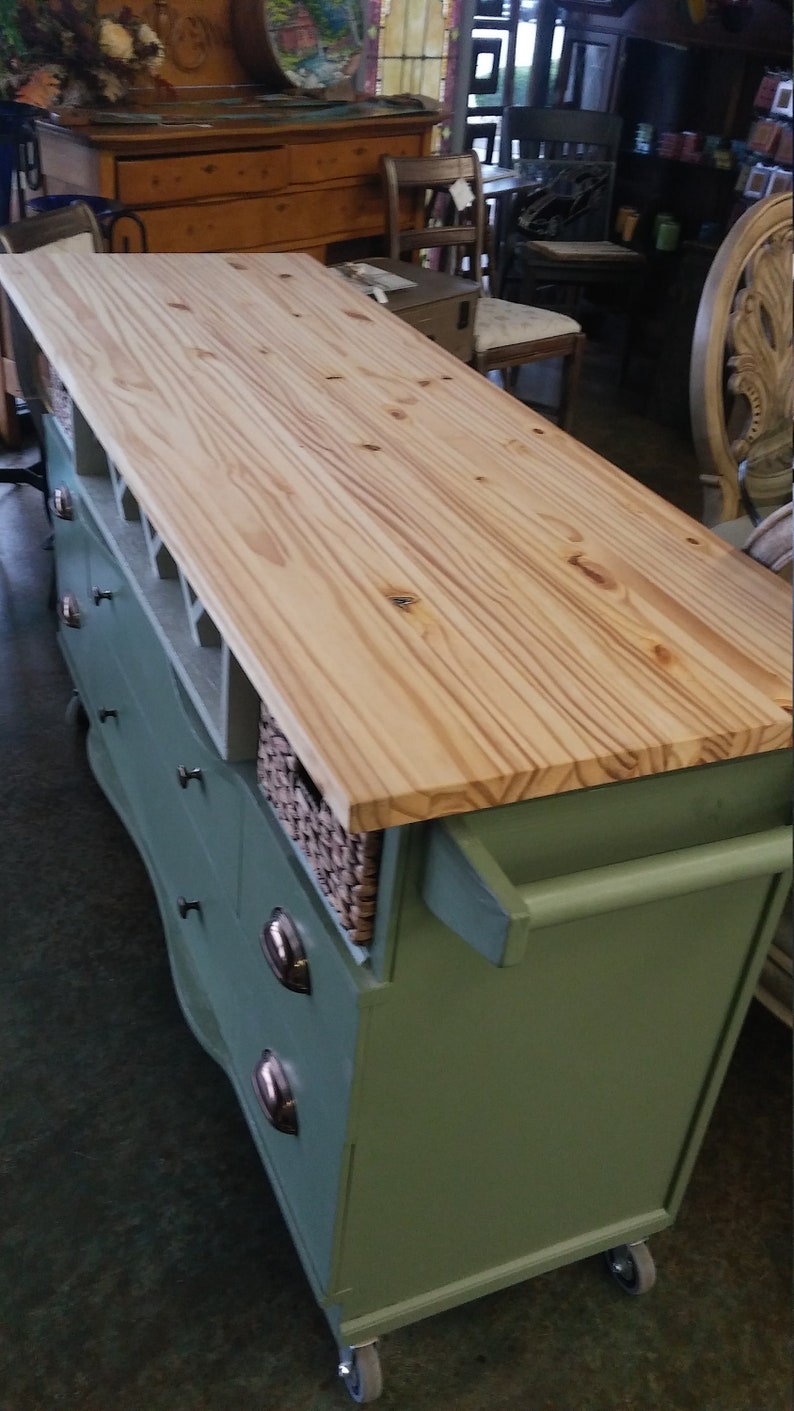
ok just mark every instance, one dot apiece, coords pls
pixel 283 950
pixel 274 1094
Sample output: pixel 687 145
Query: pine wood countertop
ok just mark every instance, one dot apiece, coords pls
pixel 447 602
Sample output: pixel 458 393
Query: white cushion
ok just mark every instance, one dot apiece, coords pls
pixel 498 323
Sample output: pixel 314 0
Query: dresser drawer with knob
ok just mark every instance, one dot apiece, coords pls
pixel 200 918
pixel 292 948
pixel 157 180
pixel 184 761
pixel 66 515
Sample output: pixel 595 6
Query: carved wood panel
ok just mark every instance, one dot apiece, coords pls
pixel 197 35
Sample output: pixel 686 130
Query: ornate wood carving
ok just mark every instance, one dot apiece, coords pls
pixel 744 328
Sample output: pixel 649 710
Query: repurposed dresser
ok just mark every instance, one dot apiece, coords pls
pixel 241 177
pixel 561 707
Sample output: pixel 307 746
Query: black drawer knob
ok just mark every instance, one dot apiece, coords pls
pixel 183 906
pixel 98 594
pixel 184 775
pixel 62 506
pixel 284 953
pixel 272 1088
pixel 107 714
pixel 69 611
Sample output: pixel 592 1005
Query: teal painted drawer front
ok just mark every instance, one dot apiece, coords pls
pixel 306 1169
pixel 182 865
pixel 212 800
pixel 247 1003
pixel 71 569
pixel 326 1020
pixel 60 457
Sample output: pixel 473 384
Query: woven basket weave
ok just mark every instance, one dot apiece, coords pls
pixel 345 864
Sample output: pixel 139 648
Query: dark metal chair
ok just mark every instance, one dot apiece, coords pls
pixel 558 234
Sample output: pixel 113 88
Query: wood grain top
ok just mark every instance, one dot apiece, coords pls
pixel 447 602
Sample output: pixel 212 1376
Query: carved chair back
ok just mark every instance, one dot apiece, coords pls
pixel 741 369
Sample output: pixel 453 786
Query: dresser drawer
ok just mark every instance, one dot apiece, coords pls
pixel 184 764
pixel 335 161
pixel 169 179
pixel 276 887
pixel 305 1167
pixel 180 859
pixel 289 220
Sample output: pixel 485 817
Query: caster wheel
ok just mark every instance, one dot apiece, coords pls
pixel 359 1368
pixel 632 1267
pixel 76 715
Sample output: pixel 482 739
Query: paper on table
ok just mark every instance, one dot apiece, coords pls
pixel 370 277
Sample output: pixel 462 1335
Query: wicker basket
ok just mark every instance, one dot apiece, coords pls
pixel 345 864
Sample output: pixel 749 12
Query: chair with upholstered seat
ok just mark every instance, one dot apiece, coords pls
pixel 557 242
pixel 506 335
pixel 74 228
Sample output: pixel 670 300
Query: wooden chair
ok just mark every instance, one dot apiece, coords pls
pixel 740 387
pixel 73 228
pixel 741 409
pixel 562 241
pixel 506 335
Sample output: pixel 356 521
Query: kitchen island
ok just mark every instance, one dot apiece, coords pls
pixel 562 707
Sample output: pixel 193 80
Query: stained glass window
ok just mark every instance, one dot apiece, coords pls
pixel 413 47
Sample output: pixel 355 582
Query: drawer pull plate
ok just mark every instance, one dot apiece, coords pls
pixel 62 506
pixel 283 950
pixel 273 1091
pixel 69 611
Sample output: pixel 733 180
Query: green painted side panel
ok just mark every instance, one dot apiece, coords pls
pixel 508 1113
pixel 545 838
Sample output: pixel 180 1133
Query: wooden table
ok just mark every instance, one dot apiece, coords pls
pixel 659 659
pixel 566 705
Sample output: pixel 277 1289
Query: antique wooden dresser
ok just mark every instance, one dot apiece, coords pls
pixel 547 713
pixel 243 178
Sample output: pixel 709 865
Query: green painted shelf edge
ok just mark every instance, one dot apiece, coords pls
pixel 466 888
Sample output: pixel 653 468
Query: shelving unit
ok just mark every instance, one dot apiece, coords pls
pixel 767 167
